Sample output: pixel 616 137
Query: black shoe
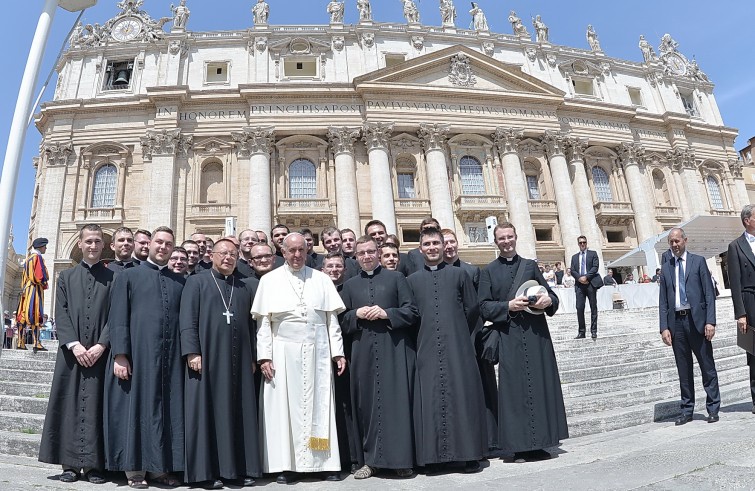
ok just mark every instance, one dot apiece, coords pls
pixel 712 418
pixel 538 455
pixel 753 408
pixel 246 482
pixel 216 484
pixel 287 477
pixel 580 336
pixel 520 457
pixel 354 467
pixel 94 477
pixel 594 335
pixel 683 420
pixel 68 476
pixel 472 466
pixel 332 476
pixel 433 469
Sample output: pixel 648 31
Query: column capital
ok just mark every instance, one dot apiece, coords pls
pixel 631 153
pixel 342 139
pixel 433 136
pixel 681 158
pixel 57 154
pixel 253 140
pixel 376 135
pixel 507 139
pixel 736 167
pixel 577 147
pixel 555 143
pixel 165 142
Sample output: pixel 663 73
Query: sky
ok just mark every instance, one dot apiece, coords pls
pixel 719 35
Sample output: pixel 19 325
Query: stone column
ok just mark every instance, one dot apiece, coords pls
pixel 255 145
pixel 507 139
pixel 433 138
pixel 587 221
pixel 568 216
pixel 376 136
pixel 347 200
pixel 676 173
pixel 684 162
pixel 735 168
pixel 160 147
pixel 631 155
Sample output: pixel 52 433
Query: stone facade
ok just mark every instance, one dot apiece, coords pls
pixel 336 124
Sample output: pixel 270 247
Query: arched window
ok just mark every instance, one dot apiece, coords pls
pixel 302 180
pixel 714 191
pixel 103 190
pixel 602 185
pixel 211 186
pixel 660 189
pixel 472 182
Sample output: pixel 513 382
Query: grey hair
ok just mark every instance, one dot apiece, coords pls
pixel 284 245
pixel 684 234
pixel 746 212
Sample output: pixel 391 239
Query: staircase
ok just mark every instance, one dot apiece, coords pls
pixel 626 377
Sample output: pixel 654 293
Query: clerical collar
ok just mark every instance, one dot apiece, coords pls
pixel 220 275
pixel 436 267
pixel 371 273
pixel 149 260
pixel 88 265
pixel 509 259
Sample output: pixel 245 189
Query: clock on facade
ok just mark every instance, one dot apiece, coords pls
pixel 127 29
pixel 676 64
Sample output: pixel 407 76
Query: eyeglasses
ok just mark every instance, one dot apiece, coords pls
pixel 226 254
pixel 266 257
pixel 581 242
pixel 371 252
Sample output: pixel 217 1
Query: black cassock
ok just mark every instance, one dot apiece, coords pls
pixel 449 421
pixel 118 266
pixel 144 415
pixel 487 369
pixel 347 440
pixel 531 406
pixel 222 440
pixel 383 368
pixel 72 434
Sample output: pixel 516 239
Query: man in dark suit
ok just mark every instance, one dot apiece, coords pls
pixel 584 266
pixel 687 315
pixel 741 261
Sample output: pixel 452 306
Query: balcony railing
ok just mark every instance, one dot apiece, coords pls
pixel 100 214
pixel 211 210
pixel 481 202
pixel 412 204
pixel 290 206
pixel 613 208
pixel 724 213
pixel 542 205
pixel 667 210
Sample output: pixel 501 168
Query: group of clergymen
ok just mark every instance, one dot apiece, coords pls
pixel 271 358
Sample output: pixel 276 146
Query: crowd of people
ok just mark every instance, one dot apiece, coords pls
pixel 215 362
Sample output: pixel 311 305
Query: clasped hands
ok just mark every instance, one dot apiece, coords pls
pixel 520 303
pixel 371 313
pixel 87 357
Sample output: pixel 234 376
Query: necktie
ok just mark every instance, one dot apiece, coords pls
pixel 584 268
pixel 682 286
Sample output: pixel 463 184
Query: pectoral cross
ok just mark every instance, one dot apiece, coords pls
pixel 228 316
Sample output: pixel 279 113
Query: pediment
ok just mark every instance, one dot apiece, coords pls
pixel 459 67
pixel 212 146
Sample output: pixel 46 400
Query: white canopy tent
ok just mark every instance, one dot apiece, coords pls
pixel 707 236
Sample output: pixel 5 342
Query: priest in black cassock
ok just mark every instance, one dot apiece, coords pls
pixel 144 386
pixel 72 435
pixel 531 414
pixel 449 421
pixel 380 318
pixel 217 340
pixel 123 248
pixel 487 369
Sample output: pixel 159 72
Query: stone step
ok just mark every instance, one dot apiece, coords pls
pixel 661 359
pixel 650 334
pixel 22 422
pixel 603 421
pixel 19 444
pixel 22 388
pixel 644 379
pixel 23 404
pixel 28 364
pixel 31 376
pixel 15 354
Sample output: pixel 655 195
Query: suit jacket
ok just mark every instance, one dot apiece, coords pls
pixel 592 264
pixel 700 294
pixel 741 265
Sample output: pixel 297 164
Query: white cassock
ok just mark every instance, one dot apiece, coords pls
pixel 296 312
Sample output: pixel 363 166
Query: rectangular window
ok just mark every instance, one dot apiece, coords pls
pixel 583 87
pixel 688 100
pixel 615 236
pixel 300 68
pixel 216 73
pixel 408 235
pixel 406 186
pixel 394 59
pixel 118 75
pixel 635 95
pixel 544 234
pixel 533 189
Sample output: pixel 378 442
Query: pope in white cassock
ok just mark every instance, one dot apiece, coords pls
pixel 296 309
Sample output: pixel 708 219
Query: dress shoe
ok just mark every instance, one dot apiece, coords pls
pixel 580 336
pixel 332 477
pixel 94 477
pixel 712 418
pixel 216 484
pixel 520 457
pixel 683 420
pixel 753 409
pixel 539 454
pixel 354 468
pixel 246 482
pixel 594 335
pixel 68 476
pixel 472 466
pixel 287 477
